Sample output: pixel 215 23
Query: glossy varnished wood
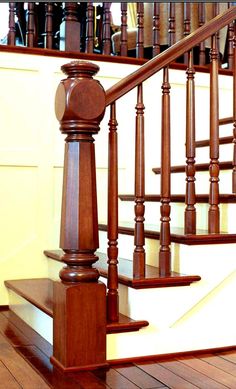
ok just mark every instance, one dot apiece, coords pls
pixel 89 28
pixel 179 198
pixel 140 30
pixel 48 26
pixel 200 167
pixel 124 26
pixel 156 29
pixel 11 36
pixel 224 140
pixel 70 28
pixel 25 365
pixel 106 32
pixel 234 112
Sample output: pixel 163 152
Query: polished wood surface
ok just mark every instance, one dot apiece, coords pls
pixel 139 188
pixel 165 253
pixel 30 26
pixel 112 234
pixel 123 28
pixel 202 53
pixel 171 29
pixel 70 28
pixel 200 167
pixel 234 114
pixel 214 168
pixel 11 36
pixel 169 55
pixel 180 198
pixel 156 29
pixel 140 30
pixel 106 35
pixel 48 25
pixel 224 140
pixel 89 28
pixel 25 364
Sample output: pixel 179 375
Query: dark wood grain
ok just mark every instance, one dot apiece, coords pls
pixel 139 377
pixel 112 235
pixel 169 55
pixel 139 189
pixel 190 199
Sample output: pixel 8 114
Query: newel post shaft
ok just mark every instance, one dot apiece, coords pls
pixel 79 333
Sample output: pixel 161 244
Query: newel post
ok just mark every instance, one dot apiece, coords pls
pixel 79 329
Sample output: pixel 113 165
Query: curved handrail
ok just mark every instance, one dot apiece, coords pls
pixel 166 57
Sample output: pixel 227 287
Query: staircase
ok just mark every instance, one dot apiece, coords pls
pixel 180 302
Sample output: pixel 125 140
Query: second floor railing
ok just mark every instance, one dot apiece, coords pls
pixel 140 30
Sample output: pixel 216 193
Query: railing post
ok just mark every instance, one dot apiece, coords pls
pixel 106 32
pixel 11 37
pixel 140 31
pixel 70 28
pixel 124 34
pixel 79 334
pixel 89 28
pixel 202 52
pixel 48 26
pixel 234 112
pixel 156 29
pixel 30 25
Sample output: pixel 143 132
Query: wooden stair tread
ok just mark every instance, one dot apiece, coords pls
pixel 125 270
pixel 39 292
pixel 224 140
pixel 177 234
pixel 180 198
pixel 200 167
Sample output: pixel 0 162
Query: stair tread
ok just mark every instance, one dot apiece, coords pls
pixel 177 234
pixel 200 167
pixel 180 198
pixel 152 278
pixel 39 292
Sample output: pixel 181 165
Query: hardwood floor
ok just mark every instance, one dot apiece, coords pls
pixel 24 363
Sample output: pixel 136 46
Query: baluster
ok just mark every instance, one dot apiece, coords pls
pixel 216 11
pixel 187 10
pixel 230 39
pixel 112 251
pixel 49 26
pixel 156 30
pixel 234 113
pixel 171 29
pixel 70 29
pixel 139 189
pixel 79 300
pixel 106 36
pixel 202 52
pixel 190 200
pixel 11 36
pixel 140 31
pixel 165 253
pixel 89 28
pixel 30 27
pixel 214 213
pixel 124 37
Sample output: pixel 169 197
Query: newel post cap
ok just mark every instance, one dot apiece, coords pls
pixel 80 100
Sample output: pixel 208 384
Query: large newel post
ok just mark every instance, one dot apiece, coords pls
pixel 79 299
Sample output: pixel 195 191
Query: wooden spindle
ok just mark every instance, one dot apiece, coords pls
pixel 230 39
pixel 139 189
pixel 11 36
pixel 112 251
pixel 140 31
pixel 89 28
pixel 124 26
pixel 165 253
pixel 106 36
pixel 156 29
pixel 30 25
pixel 216 11
pixel 79 316
pixel 234 112
pixel 201 16
pixel 70 28
pixel 49 26
pixel 187 26
pixel 190 199
pixel 171 29
pixel 214 212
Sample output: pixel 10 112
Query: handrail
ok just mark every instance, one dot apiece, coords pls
pixel 169 55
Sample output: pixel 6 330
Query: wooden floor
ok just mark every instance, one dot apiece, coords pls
pixel 24 363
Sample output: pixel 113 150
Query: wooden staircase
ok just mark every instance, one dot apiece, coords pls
pixel 83 310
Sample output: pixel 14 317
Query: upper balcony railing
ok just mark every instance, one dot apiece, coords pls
pixel 140 30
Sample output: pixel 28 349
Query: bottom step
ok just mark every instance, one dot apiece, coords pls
pixel 39 292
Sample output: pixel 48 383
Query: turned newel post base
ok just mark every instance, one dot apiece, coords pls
pixel 79 312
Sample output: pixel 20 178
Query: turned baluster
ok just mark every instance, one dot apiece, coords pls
pixel 165 253
pixel 106 32
pixel 140 31
pixel 112 251
pixel 70 28
pixel 156 29
pixel 49 26
pixel 214 212
pixel 11 36
pixel 230 39
pixel 234 112
pixel 201 16
pixel 171 29
pixel 30 27
pixel 124 36
pixel 139 189
pixel 89 28
pixel 190 199
pixel 79 299
pixel 187 27
pixel 216 11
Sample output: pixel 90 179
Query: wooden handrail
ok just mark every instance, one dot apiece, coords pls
pixel 169 55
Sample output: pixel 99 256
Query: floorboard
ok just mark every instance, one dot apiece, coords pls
pixel 25 363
